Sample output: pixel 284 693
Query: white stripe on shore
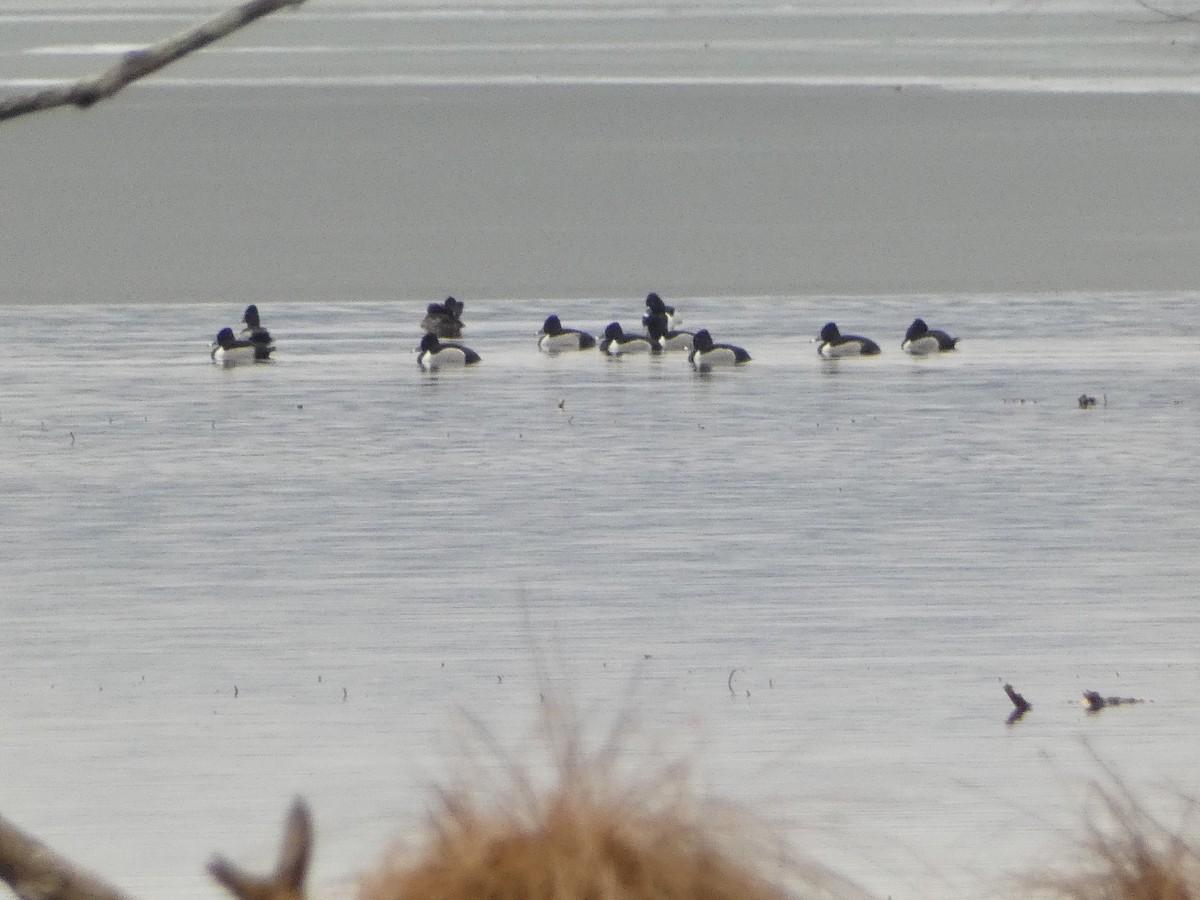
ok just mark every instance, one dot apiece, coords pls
pixel 1150 40
pixel 570 10
pixel 1189 85
pixel 84 49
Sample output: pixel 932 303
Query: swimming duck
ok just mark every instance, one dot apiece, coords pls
pixel 835 344
pixel 227 350
pixel 433 354
pixel 668 338
pixel 656 307
pixel 705 354
pixel 444 319
pixel 617 343
pixel 554 338
pixel 920 339
pixel 255 333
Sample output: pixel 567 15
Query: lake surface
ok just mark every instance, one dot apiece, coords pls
pixel 222 588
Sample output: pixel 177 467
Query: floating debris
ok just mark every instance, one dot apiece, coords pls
pixel 1086 402
pixel 1022 705
pixel 1095 702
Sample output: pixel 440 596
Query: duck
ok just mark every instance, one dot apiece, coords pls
pixel 656 307
pixel 256 334
pixel 835 344
pixel 921 340
pixel 433 354
pixel 617 343
pixel 227 350
pixel 667 337
pixel 444 319
pixel 705 354
pixel 555 339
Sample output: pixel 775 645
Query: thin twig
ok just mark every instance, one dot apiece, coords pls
pixel 1193 16
pixel 140 63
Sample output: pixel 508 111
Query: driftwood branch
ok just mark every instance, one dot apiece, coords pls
pixel 35 872
pixel 140 63
pixel 288 881
pixel 1022 705
pixel 1095 701
pixel 1019 702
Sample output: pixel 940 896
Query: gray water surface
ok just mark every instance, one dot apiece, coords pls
pixel 225 587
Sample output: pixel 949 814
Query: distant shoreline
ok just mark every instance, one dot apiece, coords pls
pixel 327 193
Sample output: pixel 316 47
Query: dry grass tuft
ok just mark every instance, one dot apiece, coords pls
pixel 593 833
pixel 1126 854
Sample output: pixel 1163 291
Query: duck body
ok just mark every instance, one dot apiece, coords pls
pixel 617 343
pixel 656 307
pixel 553 338
pixel 921 340
pixel 444 319
pixel 835 345
pixel 433 354
pixel 659 329
pixel 706 355
pixel 256 334
pixel 228 350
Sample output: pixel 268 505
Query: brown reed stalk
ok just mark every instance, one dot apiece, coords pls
pixel 1127 853
pixel 594 833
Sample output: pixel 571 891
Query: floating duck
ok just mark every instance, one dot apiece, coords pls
pixel 667 337
pixel 433 354
pixel 555 339
pixel 227 350
pixel 255 333
pixel 834 344
pixel 444 319
pixel 706 355
pixel 921 340
pixel 656 307
pixel 617 343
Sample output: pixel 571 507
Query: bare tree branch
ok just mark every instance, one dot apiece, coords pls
pixel 140 63
pixel 1193 16
pixel 35 872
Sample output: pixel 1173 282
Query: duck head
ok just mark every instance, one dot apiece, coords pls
pixel 917 329
pixel 830 332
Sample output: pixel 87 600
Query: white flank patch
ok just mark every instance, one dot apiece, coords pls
pixel 850 348
pixel 719 356
pixel 922 346
pixel 558 343
pixel 234 356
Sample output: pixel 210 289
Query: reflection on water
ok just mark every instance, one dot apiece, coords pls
pixel 225 587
